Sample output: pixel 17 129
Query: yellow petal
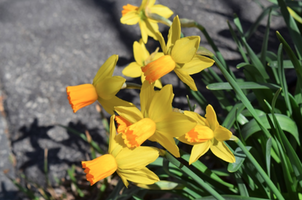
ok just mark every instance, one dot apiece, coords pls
pixel 211 117
pixel 167 142
pixel 142 176
pixel 197 64
pixel 174 32
pixel 196 117
pixel 133 70
pixel 158 83
pixel 161 40
pixel 112 135
pixel 96 170
pixel 152 28
pixel 198 150
pixel 146 95
pixel 109 104
pixel 131 114
pixel 158 55
pixel 119 141
pixel 175 124
pixel 151 3
pixel 80 96
pixel 109 87
pixel 140 52
pixel 130 18
pixel 185 78
pixel 116 142
pixel 222 134
pixel 143 28
pixel 161 103
pixel 222 151
pixel 137 133
pixel 185 49
pixel 106 70
pixel 162 10
pixel 136 158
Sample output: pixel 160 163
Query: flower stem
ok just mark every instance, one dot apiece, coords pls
pixel 270 184
pixel 190 173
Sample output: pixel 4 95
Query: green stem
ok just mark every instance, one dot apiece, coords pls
pixel 270 184
pixel 190 173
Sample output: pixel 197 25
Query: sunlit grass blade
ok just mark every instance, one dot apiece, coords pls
pixel 241 185
pixel 243 85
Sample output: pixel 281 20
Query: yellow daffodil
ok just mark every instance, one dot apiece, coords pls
pixel 156 121
pixel 103 88
pixel 130 164
pixel 142 57
pixel 132 15
pixel 180 56
pixel 207 134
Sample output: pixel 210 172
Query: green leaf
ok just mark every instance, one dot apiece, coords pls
pixel 240 157
pixel 233 197
pixel 163 185
pixel 286 124
pixel 242 85
pixel 287 64
pixel 268 156
pixel 254 26
pixel 265 40
pixel 283 79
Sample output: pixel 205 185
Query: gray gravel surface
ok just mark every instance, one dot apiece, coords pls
pixel 48 45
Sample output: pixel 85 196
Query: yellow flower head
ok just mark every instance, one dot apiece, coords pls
pixel 155 121
pixel 142 57
pixel 180 56
pixel 132 15
pixel 129 164
pixel 207 134
pixel 103 88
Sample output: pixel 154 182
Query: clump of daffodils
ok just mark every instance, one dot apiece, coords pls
pixel 156 119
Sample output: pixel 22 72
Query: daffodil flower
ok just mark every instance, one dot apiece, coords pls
pixel 103 88
pixel 156 121
pixel 207 134
pixel 180 56
pixel 132 15
pixel 142 57
pixel 130 164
